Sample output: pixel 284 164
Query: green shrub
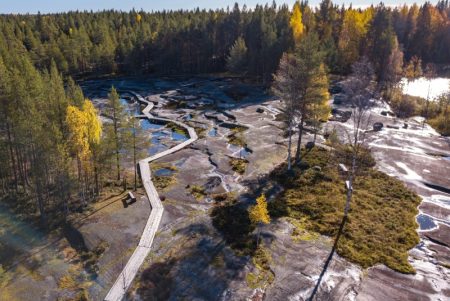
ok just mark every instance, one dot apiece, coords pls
pixel 381 225
pixel 231 219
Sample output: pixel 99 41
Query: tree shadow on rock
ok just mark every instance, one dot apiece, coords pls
pixel 156 282
pixel 75 238
pixel 232 221
pixel 200 270
pixel 328 260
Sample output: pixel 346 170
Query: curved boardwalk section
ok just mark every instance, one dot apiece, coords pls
pixel 127 275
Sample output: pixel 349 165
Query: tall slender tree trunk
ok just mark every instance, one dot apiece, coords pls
pixel 26 168
pixel 118 163
pixel 134 159
pixel 427 106
pixel 116 138
pixel 290 146
pixel 299 141
pixel 40 200
pixel 13 160
pixel 20 167
pixel 38 184
pixel 259 234
pixel 95 160
pixel 316 129
pixel 350 188
pixel 97 189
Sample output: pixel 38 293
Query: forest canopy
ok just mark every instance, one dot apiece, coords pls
pixel 200 41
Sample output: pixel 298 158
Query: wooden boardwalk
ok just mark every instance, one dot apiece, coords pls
pixel 123 281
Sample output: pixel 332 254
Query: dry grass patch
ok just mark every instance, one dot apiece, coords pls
pixel 67 282
pixel 262 275
pixel 198 192
pixel 239 165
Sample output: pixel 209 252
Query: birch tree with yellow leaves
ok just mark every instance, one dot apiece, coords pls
pixel 355 26
pixel 85 130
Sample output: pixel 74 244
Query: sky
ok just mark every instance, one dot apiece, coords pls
pixel 48 6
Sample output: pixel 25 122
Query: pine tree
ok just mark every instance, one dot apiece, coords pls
pixel 116 112
pixel 237 60
pixel 137 142
pixel 318 92
pixel 309 60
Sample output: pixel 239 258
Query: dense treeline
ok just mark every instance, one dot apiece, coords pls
pixel 199 41
pixel 55 154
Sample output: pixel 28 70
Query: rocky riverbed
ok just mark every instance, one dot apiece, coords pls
pixel 238 122
pixel 187 243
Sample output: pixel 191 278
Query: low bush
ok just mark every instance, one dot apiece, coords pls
pixel 381 225
pixel 231 219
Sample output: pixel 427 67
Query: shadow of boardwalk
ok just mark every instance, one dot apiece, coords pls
pixel 328 260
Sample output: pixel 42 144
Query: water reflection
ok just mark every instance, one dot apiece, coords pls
pixel 425 222
pixel 212 132
pixel 163 172
pixel 179 137
pixel 148 125
pixel 131 108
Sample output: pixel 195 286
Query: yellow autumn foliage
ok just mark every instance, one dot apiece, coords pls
pixel 84 127
pixel 354 28
pixel 258 213
pixel 76 123
pixel 296 22
pixel 93 124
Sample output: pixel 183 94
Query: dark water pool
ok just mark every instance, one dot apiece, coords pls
pixel 148 125
pixel 163 172
pixel 157 136
pixel 212 132
pixel 425 222
pixel 179 137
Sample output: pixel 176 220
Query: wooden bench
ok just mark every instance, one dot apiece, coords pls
pixel 130 199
